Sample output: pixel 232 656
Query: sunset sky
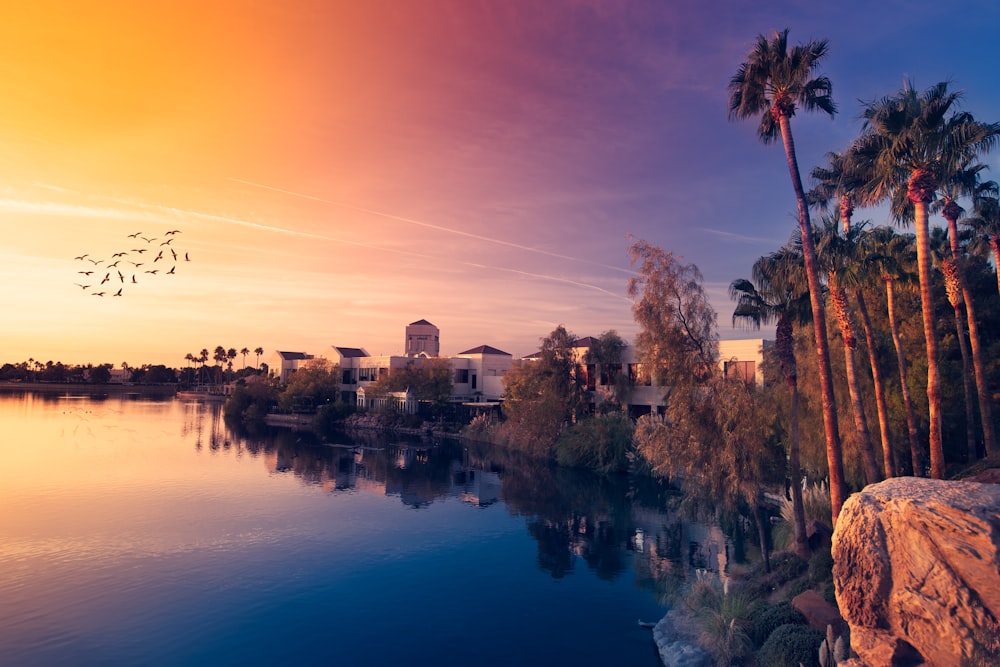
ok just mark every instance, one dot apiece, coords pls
pixel 339 169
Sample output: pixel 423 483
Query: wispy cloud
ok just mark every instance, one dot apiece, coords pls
pixel 421 223
pixel 742 238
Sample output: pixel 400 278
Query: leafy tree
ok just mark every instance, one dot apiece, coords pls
pixel 772 83
pixel 429 379
pixel 100 374
pixel 544 395
pixel 315 383
pixel 605 354
pixel 909 146
pixel 678 340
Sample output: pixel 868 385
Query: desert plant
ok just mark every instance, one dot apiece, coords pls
pixel 791 645
pixel 772 617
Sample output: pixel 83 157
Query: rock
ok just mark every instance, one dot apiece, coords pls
pixel 818 612
pixel 819 535
pixel 917 572
pixel 674 646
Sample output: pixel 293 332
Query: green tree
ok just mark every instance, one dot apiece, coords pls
pixel 605 355
pixel 986 225
pixel 909 145
pixel 315 383
pixel 544 395
pixel 429 379
pixel 772 83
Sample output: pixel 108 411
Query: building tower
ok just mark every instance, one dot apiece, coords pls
pixel 422 337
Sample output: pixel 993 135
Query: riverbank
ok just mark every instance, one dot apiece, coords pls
pixel 92 389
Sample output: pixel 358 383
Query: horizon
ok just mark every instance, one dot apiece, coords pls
pixel 337 170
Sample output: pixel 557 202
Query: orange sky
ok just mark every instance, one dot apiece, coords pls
pixel 340 169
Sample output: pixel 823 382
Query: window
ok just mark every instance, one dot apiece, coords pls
pixel 743 370
pixel 462 376
pixel 609 372
pixel 637 375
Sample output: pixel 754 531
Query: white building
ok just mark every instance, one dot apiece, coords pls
pixel 282 364
pixel 422 338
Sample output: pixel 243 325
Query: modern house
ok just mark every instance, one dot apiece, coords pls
pixel 283 364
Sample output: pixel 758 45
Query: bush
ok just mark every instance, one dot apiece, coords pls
pixel 791 645
pixel 601 443
pixel 771 618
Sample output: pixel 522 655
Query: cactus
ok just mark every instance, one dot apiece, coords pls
pixel 834 650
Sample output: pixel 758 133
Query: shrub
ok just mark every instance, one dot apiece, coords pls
pixel 771 618
pixel 601 443
pixel 791 645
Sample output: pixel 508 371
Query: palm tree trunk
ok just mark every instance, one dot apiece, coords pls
pixel 834 451
pixel 995 246
pixel 916 459
pixel 888 455
pixel 838 297
pixel 785 345
pixel 970 415
pixel 985 412
pixel 930 338
pixel 765 553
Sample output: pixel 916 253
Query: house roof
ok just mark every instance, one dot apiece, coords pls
pixel 418 322
pixel 351 352
pixel 486 349
pixel 586 341
pixel 294 356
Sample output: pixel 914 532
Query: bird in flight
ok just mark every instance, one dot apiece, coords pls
pixel 83 286
pixel 173 231
pixel 171 271
pixel 154 271
pixel 118 293
pixel 80 257
pixel 140 250
pixel 106 277
pixel 95 262
pixel 86 273
pixel 133 278
pixel 132 236
pixel 167 242
pixel 118 254
pixel 186 258
pixel 97 293
pixel 174 253
pixel 159 257
pixel 121 277
pixel 147 240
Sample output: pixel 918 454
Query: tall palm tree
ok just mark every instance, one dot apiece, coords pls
pixel 893 254
pixel 837 182
pixel 910 144
pixel 837 257
pixel 776 297
pixel 941 253
pixel 258 351
pixel 219 357
pixel 245 352
pixel 772 83
pixel 965 181
pixel 986 221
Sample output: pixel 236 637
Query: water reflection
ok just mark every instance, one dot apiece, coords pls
pixel 608 523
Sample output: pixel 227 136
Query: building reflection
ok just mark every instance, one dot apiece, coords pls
pixel 608 524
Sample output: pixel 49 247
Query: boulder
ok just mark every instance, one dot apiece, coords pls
pixel 917 572
pixel 675 644
pixel 817 611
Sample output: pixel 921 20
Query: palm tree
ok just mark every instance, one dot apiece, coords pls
pixel 986 222
pixel 966 181
pixel 838 181
pixel 893 253
pixel 909 145
pixel 778 298
pixel 771 83
pixel 219 357
pixel 837 256
pixel 244 352
pixel 941 251
pixel 258 351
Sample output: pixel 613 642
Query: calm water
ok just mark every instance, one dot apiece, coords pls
pixel 144 532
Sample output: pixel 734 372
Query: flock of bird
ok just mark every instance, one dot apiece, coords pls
pixel 117 268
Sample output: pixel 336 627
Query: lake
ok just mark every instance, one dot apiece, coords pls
pixel 137 531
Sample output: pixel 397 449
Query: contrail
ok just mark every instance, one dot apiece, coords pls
pixel 433 226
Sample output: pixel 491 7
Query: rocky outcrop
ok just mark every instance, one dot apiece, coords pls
pixel 675 645
pixel 917 572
